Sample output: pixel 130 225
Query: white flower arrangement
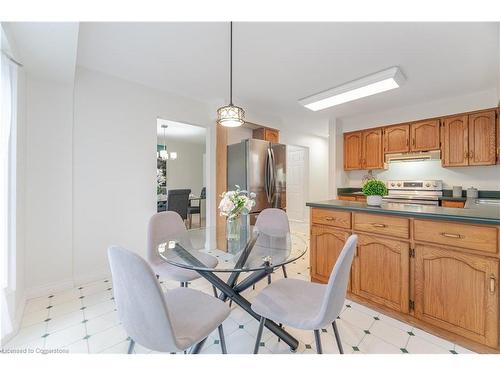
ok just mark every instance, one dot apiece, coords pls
pixel 236 202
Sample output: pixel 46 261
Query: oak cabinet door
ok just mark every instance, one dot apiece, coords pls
pixel 397 139
pixel 498 137
pixel 326 245
pixel 353 145
pixel 272 136
pixel 455 147
pixel 482 143
pixel 372 149
pixel 457 292
pixel 381 272
pixel 425 135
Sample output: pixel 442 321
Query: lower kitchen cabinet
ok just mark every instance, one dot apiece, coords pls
pixel 327 243
pixel 381 271
pixel 457 292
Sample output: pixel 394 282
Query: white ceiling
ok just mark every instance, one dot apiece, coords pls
pixel 275 64
pixel 180 131
pixel 46 50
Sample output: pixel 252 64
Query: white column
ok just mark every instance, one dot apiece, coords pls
pixel 332 158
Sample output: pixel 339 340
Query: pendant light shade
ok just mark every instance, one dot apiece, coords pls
pixel 230 115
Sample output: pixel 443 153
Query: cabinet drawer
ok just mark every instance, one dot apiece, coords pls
pixel 475 237
pixel 334 218
pixel 454 204
pixel 387 225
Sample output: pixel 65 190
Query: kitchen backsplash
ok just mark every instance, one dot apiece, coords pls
pixel 483 178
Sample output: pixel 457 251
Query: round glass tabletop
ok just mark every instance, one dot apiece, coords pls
pixel 254 250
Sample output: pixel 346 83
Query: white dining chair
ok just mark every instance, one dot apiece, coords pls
pixel 273 220
pixel 305 305
pixel 163 225
pixel 164 322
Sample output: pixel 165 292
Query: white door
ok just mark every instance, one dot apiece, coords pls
pixel 296 182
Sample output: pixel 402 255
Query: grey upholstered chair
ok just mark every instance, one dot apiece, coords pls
pixel 305 305
pixel 163 225
pixel 164 322
pixel 178 201
pixel 273 220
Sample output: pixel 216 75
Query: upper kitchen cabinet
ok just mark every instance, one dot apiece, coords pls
pixel 373 157
pixel 267 134
pixel 353 144
pixel 469 139
pixel 455 141
pixel 396 139
pixel 482 143
pixel 363 150
pixel 424 135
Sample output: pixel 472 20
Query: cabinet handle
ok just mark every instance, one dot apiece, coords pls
pixel 407 142
pixel 471 154
pixel 378 225
pixel 413 142
pixel 493 283
pixel 451 235
pixel 329 218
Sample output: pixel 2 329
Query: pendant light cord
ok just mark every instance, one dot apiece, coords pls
pixel 231 63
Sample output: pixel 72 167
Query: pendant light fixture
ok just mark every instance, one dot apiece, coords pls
pixel 230 115
pixel 163 153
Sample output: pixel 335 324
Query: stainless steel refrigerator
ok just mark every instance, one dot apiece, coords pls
pixel 259 167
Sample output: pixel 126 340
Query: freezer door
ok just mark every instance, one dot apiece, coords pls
pixel 237 166
pixel 257 162
pixel 278 153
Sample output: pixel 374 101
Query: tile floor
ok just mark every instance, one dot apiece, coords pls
pixel 84 320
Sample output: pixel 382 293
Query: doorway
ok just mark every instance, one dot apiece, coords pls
pixel 297 182
pixel 181 171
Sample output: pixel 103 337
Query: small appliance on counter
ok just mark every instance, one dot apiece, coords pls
pixel 457 191
pixel 472 192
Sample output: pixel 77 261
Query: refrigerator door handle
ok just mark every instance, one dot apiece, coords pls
pixel 267 176
pixel 273 180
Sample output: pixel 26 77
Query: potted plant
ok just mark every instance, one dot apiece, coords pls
pixel 374 191
pixel 232 205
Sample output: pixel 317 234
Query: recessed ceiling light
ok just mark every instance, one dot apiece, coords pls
pixel 369 85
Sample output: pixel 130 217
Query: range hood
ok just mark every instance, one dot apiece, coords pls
pixel 413 156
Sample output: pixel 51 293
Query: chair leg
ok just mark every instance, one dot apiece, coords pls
pixel 268 279
pixel 222 340
pixel 284 271
pixel 319 349
pixel 337 337
pixel 259 335
pixel 131 346
pixel 215 291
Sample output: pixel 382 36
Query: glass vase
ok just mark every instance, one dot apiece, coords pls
pixel 233 229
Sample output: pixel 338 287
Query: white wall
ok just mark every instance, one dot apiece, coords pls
pixel 186 172
pixel 236 135
pixel 481 177
pixel 115 163
pixel 49 119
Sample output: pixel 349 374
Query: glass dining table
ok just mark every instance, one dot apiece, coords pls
pixel 248 259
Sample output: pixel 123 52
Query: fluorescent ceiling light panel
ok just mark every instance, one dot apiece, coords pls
pixel 373 84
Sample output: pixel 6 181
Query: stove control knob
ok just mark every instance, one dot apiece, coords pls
pixel 392 184
pixel 399 184
pixel 428 184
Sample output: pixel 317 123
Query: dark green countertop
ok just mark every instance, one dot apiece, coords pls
pixel 483 214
